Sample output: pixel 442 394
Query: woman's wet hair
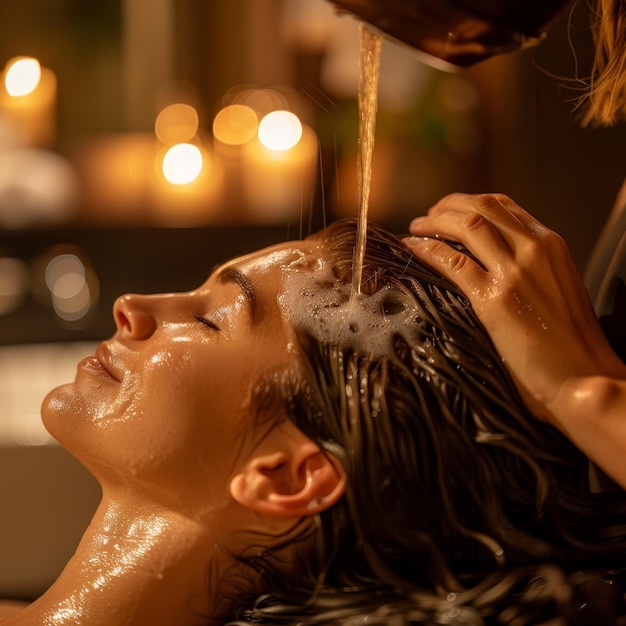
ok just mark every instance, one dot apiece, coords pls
pixel 460 506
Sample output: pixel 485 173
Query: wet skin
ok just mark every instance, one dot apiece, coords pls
pixel 162 415
pixel 166 401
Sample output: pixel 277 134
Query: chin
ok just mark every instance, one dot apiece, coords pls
pixel 57 410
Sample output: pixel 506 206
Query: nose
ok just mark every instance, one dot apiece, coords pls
pixel 135 316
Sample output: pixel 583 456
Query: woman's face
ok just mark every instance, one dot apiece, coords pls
pixel 165 404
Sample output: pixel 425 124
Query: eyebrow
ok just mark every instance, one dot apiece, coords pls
pixel 233 275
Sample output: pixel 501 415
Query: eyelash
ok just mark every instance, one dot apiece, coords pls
pixel 207 323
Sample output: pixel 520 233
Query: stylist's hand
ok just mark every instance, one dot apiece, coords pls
pixel 528 295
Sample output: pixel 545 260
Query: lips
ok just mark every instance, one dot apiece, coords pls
pixel 104 357
pixel 99 364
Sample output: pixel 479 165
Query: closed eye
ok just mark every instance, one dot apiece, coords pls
pixel 206 322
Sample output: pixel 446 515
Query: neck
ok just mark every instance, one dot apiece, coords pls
pixel 136 564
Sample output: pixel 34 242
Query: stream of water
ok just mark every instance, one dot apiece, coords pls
pixel 368 105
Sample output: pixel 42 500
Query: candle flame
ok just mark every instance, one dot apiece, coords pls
pixel 22 76
pixel 280 130
pixel 182 164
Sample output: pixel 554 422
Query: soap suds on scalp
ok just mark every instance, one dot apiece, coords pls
pixel 317 302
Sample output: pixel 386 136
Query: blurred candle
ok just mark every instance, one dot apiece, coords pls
pixel 187 186
pixel 116 170
pixel 280 130
pixel 28 94
pixel 280 168
pixel 188 181
pixel 38 188
pixel 182 163
pixel 234 126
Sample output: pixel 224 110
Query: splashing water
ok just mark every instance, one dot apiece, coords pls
pixel 368 104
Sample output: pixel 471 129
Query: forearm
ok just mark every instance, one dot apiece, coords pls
pixel 524 287
pixel 591 412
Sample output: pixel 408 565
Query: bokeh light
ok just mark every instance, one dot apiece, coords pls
pixel 66 278
pixel 59 266
pixel 176 123
pixel 22 76
pixel 280 130
pixel 182 164
pixel 261 101
pixel 235 125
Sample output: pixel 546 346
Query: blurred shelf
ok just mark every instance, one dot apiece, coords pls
pixel 142 260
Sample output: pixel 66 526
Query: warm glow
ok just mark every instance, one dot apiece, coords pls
pixel 280 130
pixel 261 101
pixel 72 298
pixel 66 279
pixel 176 123
pixel 22 76
pixel 235 125
pixel 182 164
pixel 62 265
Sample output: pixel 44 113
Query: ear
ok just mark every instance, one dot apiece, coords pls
pixel 289 476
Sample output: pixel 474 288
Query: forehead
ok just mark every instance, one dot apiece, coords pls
pixel 275 260
pixel 260 275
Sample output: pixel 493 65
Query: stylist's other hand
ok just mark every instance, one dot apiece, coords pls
pixel 525 288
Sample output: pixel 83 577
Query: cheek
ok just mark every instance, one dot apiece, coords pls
pixel 175 422
pixel 128 425
pixel 187 416
pixel 188 432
